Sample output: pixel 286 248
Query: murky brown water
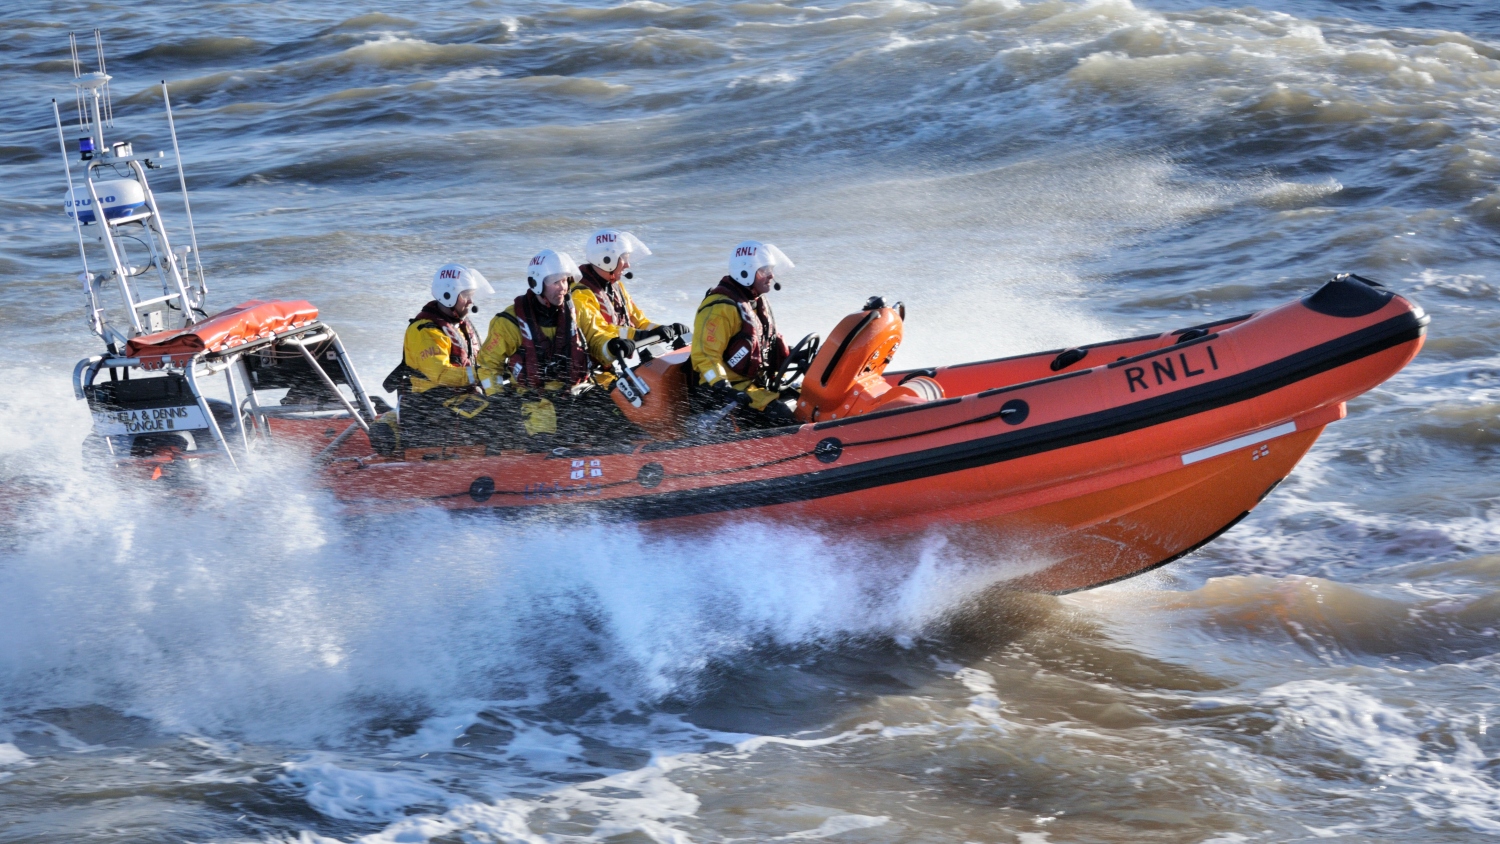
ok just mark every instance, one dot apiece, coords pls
pixel 259 666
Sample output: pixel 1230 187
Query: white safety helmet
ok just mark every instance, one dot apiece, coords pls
pixel 607 245
pixel 453 279
pixel 751 256
pixel 547 265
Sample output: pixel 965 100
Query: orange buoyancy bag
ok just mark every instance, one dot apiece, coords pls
pixel 243 323
pixel 845 379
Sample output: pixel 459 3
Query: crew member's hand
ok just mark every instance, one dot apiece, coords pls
pixel 725 394
pixel 779 413
pixel 665 333
pixel 620 347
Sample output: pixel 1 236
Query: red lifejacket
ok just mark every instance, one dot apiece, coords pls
pixel 757 348
pixel 463 339
pixel 563 358
pixel 615 310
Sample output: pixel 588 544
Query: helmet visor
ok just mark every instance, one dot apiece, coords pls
pixel 473 279
pixel 776 258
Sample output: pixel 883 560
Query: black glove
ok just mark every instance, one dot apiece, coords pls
pixel 665 333
pixel 725 394
pixel 620 347
pixel 779 413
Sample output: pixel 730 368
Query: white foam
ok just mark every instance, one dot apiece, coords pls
pixel 361 795
pixel 542 750
pixel 259 610
pixel 641 801
pixel 838 825
pixel 435 735
pixel 860 733
pixel 1439 781
pixel 986 704
pixel 470 74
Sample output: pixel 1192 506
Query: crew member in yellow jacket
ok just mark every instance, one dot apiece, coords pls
pixel 605 308
pixel 736 347
pixel 535 360
pixel 438 382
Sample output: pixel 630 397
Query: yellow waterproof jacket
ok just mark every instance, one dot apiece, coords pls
pixel 713 327
pixel 504 342
pixel 599 319
pixel 501 342
pixel 441 350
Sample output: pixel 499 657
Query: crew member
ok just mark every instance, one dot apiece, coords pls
pixel 535 357
pixel 604 307
pixel 736 347
pixel 438 383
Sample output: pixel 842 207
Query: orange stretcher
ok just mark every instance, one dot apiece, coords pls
pixel 247 322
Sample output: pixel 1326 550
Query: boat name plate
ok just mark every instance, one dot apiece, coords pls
pixel 148 420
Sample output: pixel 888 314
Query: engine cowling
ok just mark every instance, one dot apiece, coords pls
pixel 846 377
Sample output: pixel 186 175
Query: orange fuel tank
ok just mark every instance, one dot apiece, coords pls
pixel 663 409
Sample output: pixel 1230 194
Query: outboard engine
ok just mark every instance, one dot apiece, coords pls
pixel 847 378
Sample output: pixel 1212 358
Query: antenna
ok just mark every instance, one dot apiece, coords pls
pixel 182 180
pixel 88 278
pixel 109 106
pixel 113 199
pixel 77 72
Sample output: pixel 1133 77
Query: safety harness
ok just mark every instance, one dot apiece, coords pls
pixel 463 343
pixel 563 357
pixel 757 347
pixel 615 306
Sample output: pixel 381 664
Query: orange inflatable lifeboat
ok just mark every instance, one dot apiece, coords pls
pixel 1095 463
